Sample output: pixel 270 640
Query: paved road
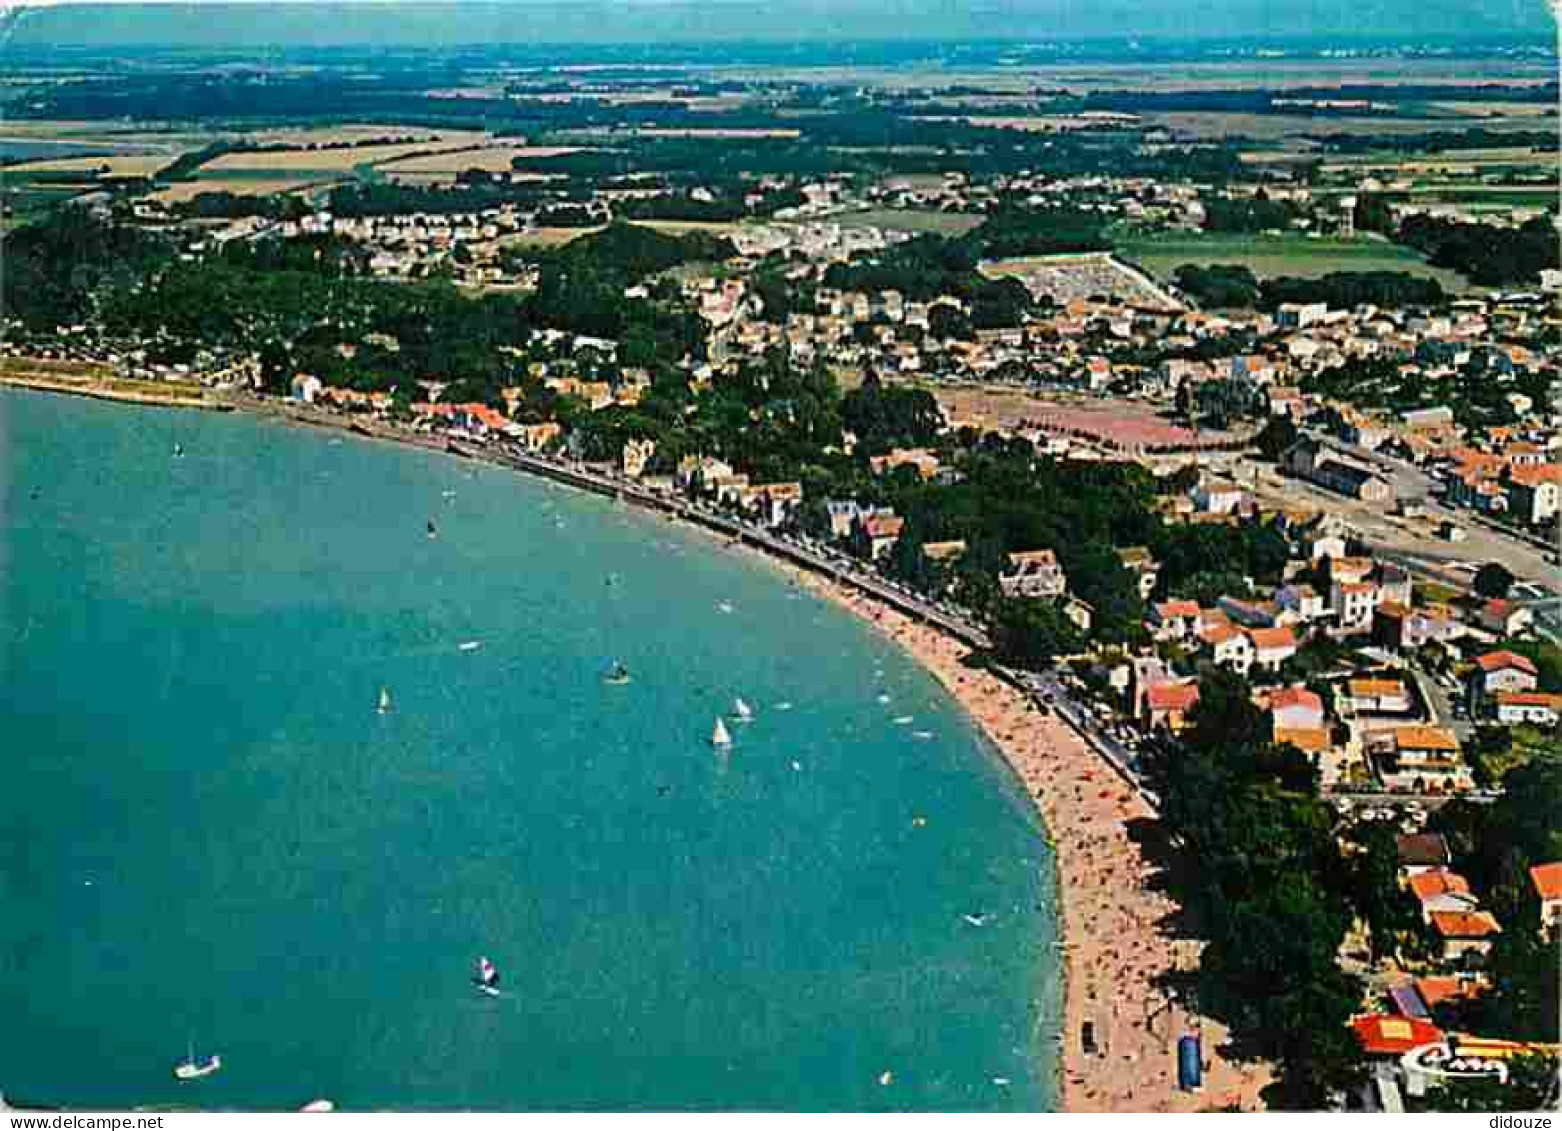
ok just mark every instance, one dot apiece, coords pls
pixel 1440 704
pixel 1050 694
pixel 1525 555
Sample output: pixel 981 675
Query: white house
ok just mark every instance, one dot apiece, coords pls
pixel 1302 601
pixel 1173 620
pixel 1033 573
pixel 1515 707
pixel 305 387
pixel 1353 604
pixel 1547 879
pixel 1228 646
pixel 1296 708
pixel 1217 496
pixel 1501 671
pixel 1272 646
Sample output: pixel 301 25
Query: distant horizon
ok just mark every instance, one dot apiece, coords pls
pixel 180 24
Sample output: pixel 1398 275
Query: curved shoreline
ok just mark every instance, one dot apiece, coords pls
pixel 1110 916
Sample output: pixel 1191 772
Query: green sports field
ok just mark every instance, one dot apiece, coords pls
pixel 1271 256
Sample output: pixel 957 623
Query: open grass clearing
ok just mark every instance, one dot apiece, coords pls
pixel 304 136
pixel 239 185
pixel 325 160
pixel 718 133
pixel 1274 256
pixel 1270 129
pixel 106 165
pixel 546 237
pixel 489 158
pixel 910 220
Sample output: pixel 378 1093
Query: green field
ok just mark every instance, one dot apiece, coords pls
pixel 1271 256
pixel 910 220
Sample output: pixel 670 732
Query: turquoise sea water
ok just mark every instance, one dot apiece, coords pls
pixel 207 831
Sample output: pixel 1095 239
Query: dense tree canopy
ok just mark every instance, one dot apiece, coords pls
pixel 55 267
pixel 1218 285
pixel 1489 255
pixel 884 417
pixel 1271 890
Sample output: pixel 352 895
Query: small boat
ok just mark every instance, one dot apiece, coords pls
pixel 192 1069
pixel 783 706
pixel 470 645
pixel 486 977
pixel 923 735
pixel 742 711
pixel 618 676
pixel 314 1106
pixel 432 532
pixel 719 737
pixel 447 495
pixel 178 451
pixel 725 606
pixel 902 720
pixel 385 701
pixel 977 920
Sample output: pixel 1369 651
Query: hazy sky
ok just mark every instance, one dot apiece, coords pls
pixel 432 22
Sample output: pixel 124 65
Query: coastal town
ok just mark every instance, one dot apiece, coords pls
pixel 1252 579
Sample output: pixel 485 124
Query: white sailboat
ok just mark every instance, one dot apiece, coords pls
pixel 385 701
pixel 192 1069
pixel 742 711
pixel 719 737
pixel 486 978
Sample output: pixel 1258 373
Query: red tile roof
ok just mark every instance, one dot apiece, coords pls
pixel 1311 739
pixel 1271 638
pixel 1438 881
pixel 1465 924
pixel 1295 697
pixel 1532 475
pixel 884 525
pixel 1530 699
pixel 1496 661
pixel 1426 738
pixel 1547 879
pixel 1218 634
pixel 1172 696
pixel 1385 1035
pixel 1375 688
pixel 1442 988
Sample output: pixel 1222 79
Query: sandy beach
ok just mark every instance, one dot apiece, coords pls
pixel 1111 923
pixel 148 393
